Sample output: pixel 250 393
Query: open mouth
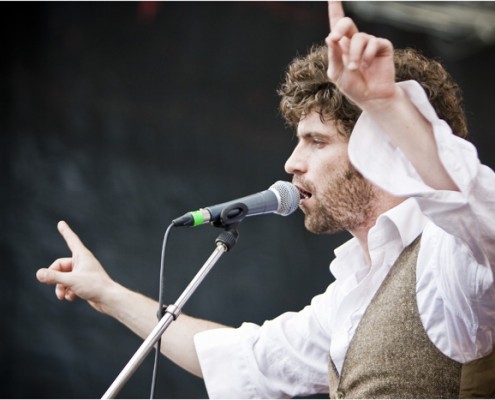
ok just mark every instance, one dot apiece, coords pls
pixel 304 194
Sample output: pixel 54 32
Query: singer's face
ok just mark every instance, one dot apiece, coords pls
pixel 336 196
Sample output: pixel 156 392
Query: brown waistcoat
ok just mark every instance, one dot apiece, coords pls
pixel 391 355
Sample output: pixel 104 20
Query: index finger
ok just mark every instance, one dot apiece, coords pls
pixel 70 237
pixel 335 12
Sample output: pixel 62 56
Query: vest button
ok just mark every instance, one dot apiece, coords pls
pixel 340 394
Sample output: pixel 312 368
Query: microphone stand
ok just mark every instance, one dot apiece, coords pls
pixel 224 242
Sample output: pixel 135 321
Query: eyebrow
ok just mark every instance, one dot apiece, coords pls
pixel 313 134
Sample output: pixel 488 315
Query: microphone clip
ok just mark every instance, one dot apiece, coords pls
pixel 231 215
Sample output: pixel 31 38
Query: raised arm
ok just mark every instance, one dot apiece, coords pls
pixel 362 67
pixel 83 276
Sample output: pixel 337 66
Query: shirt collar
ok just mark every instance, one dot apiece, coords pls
pixel 403 222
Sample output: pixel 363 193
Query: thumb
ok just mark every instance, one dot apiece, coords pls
pixel 52 277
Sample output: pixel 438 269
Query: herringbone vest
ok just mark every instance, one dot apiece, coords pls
pixel 391 356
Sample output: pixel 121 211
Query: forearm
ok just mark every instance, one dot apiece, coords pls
pixel 138 313
pixel 409 130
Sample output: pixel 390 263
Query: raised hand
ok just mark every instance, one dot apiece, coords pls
pixel 361 65
pixel 78 276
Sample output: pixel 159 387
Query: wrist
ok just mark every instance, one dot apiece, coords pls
pixel 112 294
pixel 385 105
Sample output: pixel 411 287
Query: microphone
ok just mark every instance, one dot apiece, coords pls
pixel 281 198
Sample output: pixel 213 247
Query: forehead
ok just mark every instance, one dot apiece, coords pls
pixel 312 123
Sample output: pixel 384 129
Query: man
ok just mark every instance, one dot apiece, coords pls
pixel 412 311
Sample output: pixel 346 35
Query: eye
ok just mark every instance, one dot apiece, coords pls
pixel 318 143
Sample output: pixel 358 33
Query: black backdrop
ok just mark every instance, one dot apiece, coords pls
pixel 119 117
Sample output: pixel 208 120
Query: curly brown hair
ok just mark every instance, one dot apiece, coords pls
pixel 307 87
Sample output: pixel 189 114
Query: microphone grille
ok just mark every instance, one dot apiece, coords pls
pixel 289 197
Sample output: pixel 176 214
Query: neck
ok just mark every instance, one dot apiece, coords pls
pixel 383 202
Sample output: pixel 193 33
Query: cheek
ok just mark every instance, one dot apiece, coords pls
pixel 329 174
pixel 325 166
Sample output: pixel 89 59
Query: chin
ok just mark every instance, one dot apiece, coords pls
pixel 322 224
pixel 319 229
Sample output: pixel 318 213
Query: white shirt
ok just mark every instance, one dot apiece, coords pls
pixel 288 356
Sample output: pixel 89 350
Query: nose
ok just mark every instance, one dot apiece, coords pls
pixel 296 163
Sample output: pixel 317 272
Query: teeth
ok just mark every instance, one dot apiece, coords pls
pixel 304 194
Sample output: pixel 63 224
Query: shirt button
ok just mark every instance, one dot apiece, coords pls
pixel 340 394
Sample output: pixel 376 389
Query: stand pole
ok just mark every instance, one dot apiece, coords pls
pixel 224 242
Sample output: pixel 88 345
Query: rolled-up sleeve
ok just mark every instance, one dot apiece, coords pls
pixel 282 358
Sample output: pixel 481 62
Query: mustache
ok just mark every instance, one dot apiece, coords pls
pixel 304 184
pixel 349 173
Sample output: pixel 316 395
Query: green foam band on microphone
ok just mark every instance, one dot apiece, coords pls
pixel 198 218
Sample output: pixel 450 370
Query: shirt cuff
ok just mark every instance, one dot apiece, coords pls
pixel 222 364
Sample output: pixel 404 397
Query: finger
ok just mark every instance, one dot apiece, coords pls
pixel 335 64
pixel 70 295
pixel 75 244
pixel 335 13
pixel 62 264
pixel 344 28
pixel 60 291
pixel 359 44
pixel 376 47
pixel 63 292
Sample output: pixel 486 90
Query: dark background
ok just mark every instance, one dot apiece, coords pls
pixel 119 117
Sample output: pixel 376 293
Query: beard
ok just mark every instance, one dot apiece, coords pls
pixel 345 202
